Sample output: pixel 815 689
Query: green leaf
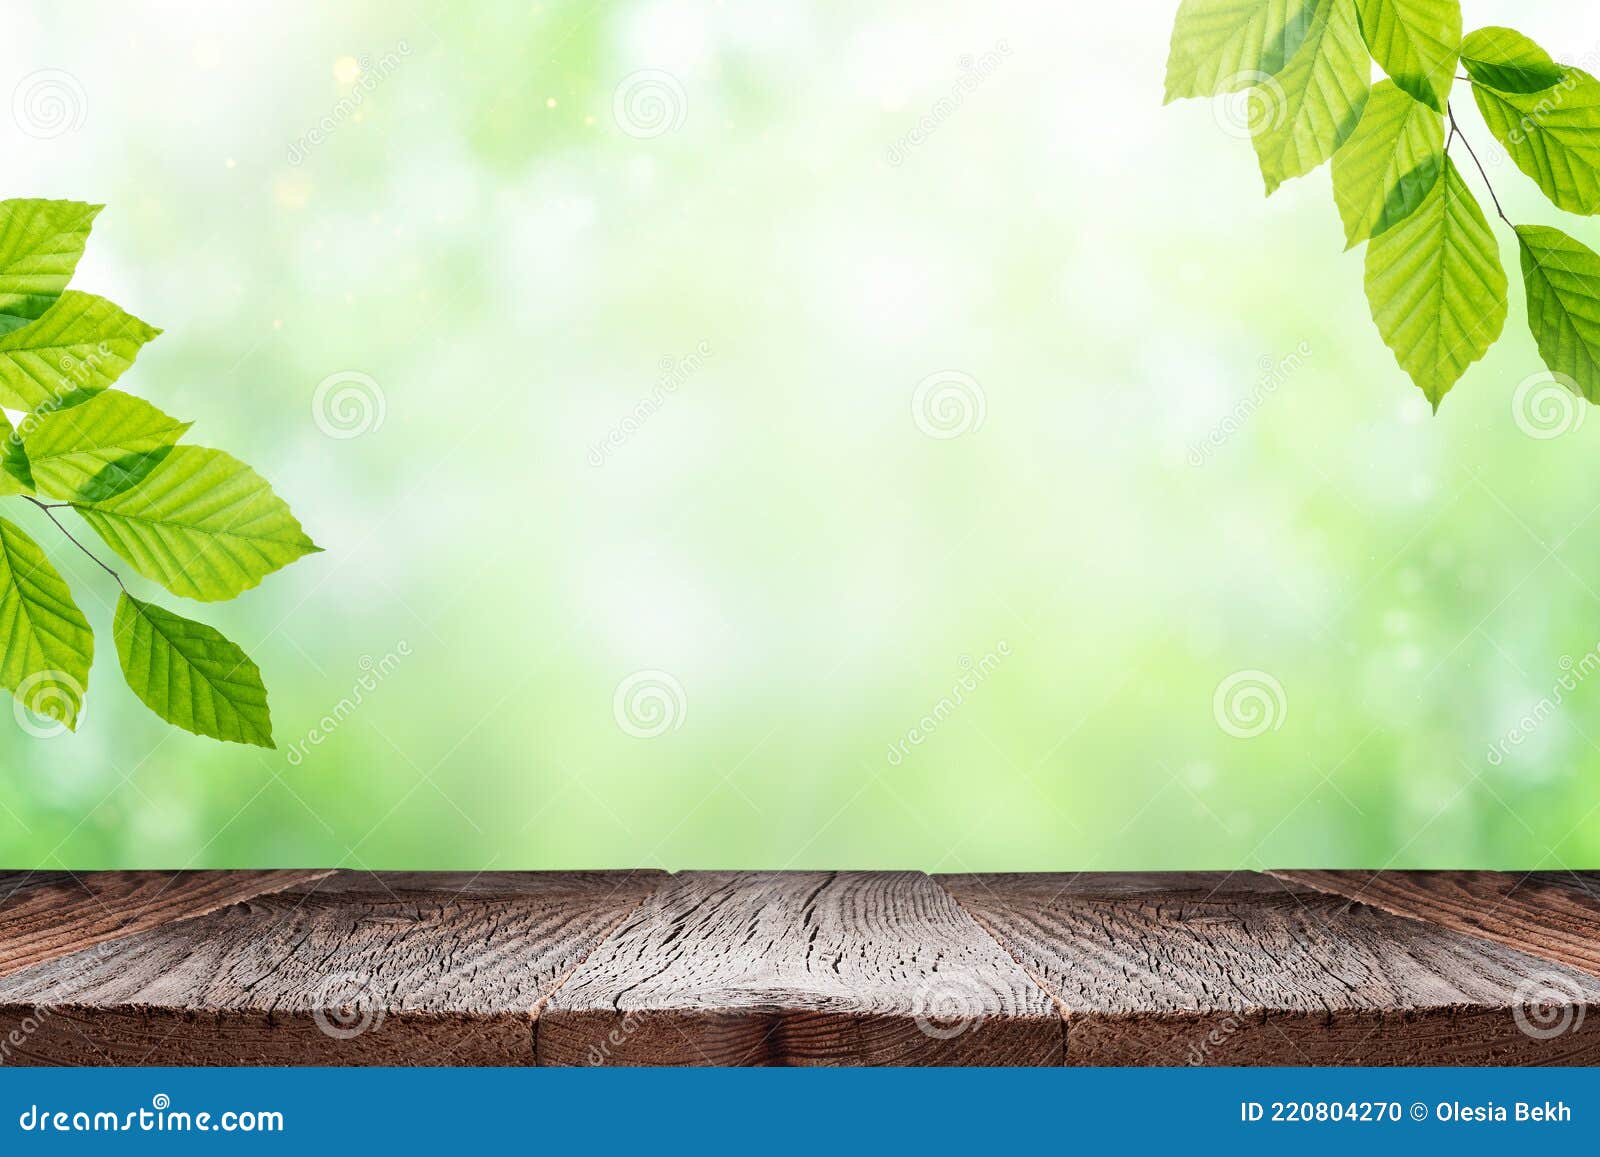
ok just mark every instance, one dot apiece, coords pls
pixel 1436 287
pixel 1554 136
pixel 1389 164
pixel 94 451
pixel 1222 46
pixel 1416 42
pixel 1508 61
pixel 40 243
pixel 122 475
pixel 46 646
pixel 15 475
pixel 203 524
pixel 1563 280
pixel 1313 105
pixel 191 675
pixel 81 345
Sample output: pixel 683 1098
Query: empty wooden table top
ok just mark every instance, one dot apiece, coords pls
pixel 799 968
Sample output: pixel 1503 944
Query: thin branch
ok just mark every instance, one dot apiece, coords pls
pixel 50 509
pixel 1455 132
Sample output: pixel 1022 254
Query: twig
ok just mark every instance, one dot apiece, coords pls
pixel 50 509
pixel 1455 132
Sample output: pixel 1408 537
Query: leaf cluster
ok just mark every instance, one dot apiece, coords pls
pixel 1434 278
pixel 194 520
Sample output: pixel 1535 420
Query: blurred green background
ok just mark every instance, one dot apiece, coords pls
pixel 714 388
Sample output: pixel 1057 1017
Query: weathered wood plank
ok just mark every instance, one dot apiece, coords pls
pixel 1554 915
pixel 802 968
pixel 1243 970
pixel 359 968
pixel 49 914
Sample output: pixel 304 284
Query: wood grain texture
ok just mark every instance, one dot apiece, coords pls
pixel 360 968
pixel 1553 915
pixel 802 968
pixel 48 914
pixel 1246 970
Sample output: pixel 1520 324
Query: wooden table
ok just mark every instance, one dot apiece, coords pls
pixel 802 968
